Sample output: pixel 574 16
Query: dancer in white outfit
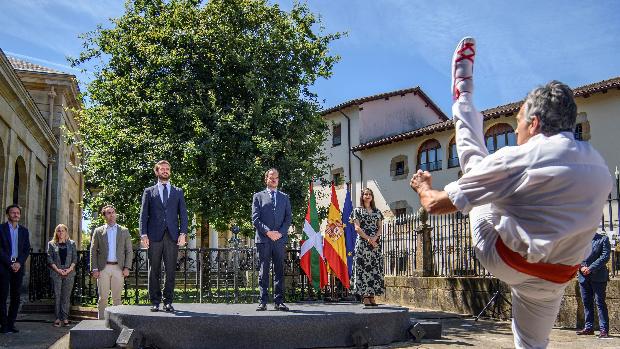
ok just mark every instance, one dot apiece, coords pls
pixel 533 207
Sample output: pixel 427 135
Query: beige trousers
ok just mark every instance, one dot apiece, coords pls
pixel 110 278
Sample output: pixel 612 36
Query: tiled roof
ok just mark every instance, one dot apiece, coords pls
pixel 507 109
pixel 19 64
pixel 416 90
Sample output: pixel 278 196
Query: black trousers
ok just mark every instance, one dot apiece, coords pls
pixel 268 252
pixel 10 284
pixel 168 250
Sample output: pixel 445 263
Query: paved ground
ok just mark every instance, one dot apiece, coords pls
pixel 36 331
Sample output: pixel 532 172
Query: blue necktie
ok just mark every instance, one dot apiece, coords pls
pixel 273 199
pixel 165 192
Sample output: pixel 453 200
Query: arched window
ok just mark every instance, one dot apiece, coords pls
pixel 453 156
pixel 499 136
pixel 429 156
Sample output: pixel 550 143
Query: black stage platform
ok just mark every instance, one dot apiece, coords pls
pixel 306 325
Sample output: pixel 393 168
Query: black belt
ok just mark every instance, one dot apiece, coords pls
pixel 112 263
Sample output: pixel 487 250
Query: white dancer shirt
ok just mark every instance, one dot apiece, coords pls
pixel 547 196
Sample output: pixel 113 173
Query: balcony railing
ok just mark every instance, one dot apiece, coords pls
pixel 453 162
pixel 430 166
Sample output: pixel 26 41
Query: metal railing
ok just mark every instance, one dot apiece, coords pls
pixel 223 275
pixel 451 251
pixel 430 166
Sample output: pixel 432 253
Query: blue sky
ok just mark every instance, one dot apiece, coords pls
pixel 391 44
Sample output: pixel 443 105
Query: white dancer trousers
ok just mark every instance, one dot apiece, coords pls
pixel 535 302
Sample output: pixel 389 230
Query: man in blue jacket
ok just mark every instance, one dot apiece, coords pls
pixel 14 250
pixel 271 217
pixel 163 228
pixel 593 276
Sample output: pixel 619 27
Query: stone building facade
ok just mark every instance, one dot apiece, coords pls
pixel 39 168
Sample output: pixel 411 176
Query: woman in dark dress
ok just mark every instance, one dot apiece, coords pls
pixel 368 261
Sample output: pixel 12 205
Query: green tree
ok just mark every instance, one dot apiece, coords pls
pixel 220 89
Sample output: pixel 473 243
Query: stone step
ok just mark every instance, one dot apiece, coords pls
pixel 92 334
pixel 37 307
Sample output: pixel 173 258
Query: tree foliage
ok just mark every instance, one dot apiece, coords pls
pixel 219 89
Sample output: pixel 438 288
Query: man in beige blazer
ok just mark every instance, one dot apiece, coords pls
pixel 111 255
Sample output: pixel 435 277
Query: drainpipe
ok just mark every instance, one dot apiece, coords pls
pixel 361 169
pixel 348 141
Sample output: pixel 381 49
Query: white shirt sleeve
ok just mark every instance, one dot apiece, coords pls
pixel 491 180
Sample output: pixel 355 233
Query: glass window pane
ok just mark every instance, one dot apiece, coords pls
pixel 512 139
pixel 431 155
pixel 490 146
pixel 453 153
pixel 423 157
pixel 501 140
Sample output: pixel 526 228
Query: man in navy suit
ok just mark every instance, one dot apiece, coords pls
pixel 14 250
pixel 271 216
pixel 163 228
pixel 593 276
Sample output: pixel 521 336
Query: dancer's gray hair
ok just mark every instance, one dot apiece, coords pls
pixel 554 104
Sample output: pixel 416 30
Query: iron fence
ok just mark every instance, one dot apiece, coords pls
pixel 222 275
pixel 452 252
pixel 451 249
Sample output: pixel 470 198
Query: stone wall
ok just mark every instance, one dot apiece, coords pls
pixel 468 295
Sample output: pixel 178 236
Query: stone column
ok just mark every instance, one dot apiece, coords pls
pixel 424 247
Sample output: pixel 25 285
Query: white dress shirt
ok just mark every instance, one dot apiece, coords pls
pixel 547 196
pixel 111 231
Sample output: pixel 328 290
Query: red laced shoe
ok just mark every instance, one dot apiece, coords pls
pixel 463 67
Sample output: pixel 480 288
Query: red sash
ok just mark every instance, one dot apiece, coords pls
pixel 558 273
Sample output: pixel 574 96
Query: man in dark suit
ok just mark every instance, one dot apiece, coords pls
pixel 271 216
pixel 593 276
pixel 163 228
pixel 14 250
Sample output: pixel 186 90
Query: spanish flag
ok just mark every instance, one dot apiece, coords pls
pixel 311 259
pixel 334 246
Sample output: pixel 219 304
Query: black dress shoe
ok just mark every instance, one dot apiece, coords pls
pixel 4 330
pixel 281 307
pixel 261 307
pixel 155 307
pixel 168 308
pixel 12 329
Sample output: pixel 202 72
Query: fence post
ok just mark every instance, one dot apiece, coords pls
pixel 424 246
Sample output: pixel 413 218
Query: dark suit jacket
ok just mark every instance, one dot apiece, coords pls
pixel 23 246
pixel 597 260
pixel 155 218
pixel 265 218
